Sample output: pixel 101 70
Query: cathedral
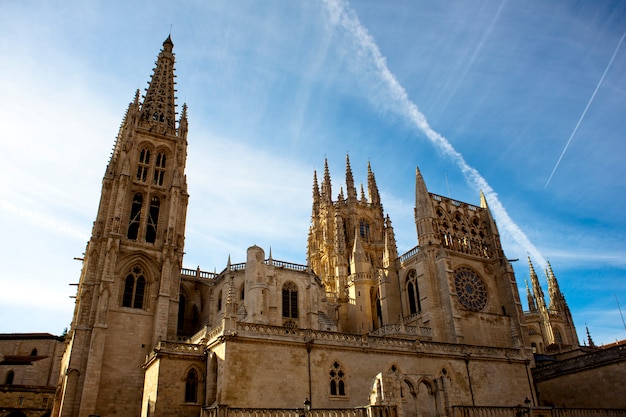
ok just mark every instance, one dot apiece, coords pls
pixel 360 329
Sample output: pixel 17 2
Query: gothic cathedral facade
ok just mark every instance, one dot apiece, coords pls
pixel 438 327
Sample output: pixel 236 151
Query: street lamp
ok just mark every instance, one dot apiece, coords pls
pixel 307 405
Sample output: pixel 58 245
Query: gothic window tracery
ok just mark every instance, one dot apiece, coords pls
pixel 191 386
pixel 159 169
pixel 134 288
pixel 470 289
pixel 413 292
pixel 337 380
pixel 135 216
pixel 290 300
pixel 364 230
pixel 182 305
pixel 144 165
pixel 153 219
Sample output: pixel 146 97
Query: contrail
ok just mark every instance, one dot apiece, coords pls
pixel 585 111
pixel 398 100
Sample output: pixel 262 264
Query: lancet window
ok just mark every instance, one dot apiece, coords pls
pixel 153 219
pixel 135 216
pixel 191 386
pixel 290 300
pixel 364 230
pixel 182 306
pixel 134 288
pixel 144 165
pixel 413 292
pixel 159 169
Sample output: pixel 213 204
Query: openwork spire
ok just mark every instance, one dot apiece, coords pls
pixel 537 291
pixel 372 188
pixel 350 189
pixel 557 300
pixel 159 105
pixel 532 305
pixel 326 186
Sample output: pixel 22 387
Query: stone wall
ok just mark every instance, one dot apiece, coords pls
pixel 593 380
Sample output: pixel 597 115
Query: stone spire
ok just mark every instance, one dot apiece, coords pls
pixel 159 105
pixel 350 189
pixel 424 212
pixel 532 305
pixel 316 196
pixel 557 300
pixel 363 198
pixel 360 264
pixel 372 188
pixel 327 192
pixel 537 291
pixel 391 250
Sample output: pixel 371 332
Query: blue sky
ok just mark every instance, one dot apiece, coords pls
pixel 494 89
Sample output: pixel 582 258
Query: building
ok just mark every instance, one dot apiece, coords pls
pixel 422 333
pixel 29 369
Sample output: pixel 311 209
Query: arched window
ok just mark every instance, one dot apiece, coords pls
pixel 379 312
pixel 153 219
pixel 134 288
pixel 219 301
pixel 364 230
pixel 144 164
pixel 413 293
pixel 191 387
pixel 9 378
pixel 33 352
pixel 135 216
pixel 242 291
pixel 290 300
pixel 182 305
pixel 159 169
pixel 558 338
pixel 337 380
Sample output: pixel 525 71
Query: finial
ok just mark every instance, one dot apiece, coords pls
pixel 589 339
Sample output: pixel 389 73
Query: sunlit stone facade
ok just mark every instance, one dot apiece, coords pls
pixel 414 334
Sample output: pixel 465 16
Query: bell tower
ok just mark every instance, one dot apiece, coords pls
pixel 128 291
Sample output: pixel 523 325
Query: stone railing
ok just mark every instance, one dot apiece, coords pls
pixel 414 344
pixel 286 265
pixel 401 329
pixel 585 412
pixel 456 203
pixel 468 411
pixel 175 347
pixel 197 273
pixel 367 411
pixel 408 255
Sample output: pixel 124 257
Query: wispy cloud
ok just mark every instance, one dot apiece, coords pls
pixel 397 100
pixel 582 116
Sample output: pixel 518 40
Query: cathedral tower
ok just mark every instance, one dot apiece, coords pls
pixel 128 292
pixel 350 247
pixel 457 281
